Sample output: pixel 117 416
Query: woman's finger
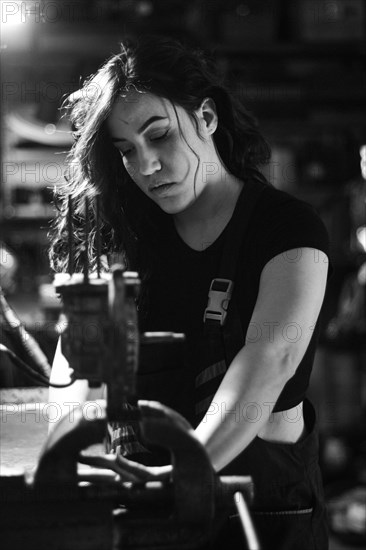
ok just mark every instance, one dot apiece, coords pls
pixel 110 462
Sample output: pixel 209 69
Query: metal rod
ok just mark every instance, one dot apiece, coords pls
pixel 70 231
pixel 86 237
pixel 98 240
pixel 246 521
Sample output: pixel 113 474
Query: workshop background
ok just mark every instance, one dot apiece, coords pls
pixel 299 65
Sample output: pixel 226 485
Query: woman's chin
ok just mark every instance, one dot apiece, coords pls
pixel 173 204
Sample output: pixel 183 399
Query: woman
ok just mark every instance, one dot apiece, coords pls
pixel 175 159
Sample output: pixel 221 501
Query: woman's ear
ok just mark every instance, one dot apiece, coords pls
pixel 208 116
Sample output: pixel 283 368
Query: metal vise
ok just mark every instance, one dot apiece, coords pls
pixel 61 507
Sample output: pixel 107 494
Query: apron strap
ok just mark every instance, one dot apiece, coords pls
pixel 221 317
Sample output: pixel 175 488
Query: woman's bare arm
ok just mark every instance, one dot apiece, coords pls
pixel 291 293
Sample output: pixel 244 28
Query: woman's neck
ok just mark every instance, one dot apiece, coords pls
pixel 202 223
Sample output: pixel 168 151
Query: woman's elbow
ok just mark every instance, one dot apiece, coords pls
pixel 288 363
pixel 282 360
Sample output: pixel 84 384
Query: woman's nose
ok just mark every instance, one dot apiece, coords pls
pixel 149 163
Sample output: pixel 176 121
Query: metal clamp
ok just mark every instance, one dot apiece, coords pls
pixel 218 301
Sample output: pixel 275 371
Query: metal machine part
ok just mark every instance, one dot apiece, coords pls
pixel 57 507
pixel 62 508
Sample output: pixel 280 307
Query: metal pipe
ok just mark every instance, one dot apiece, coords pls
pixel 86 240
pixel 246 522
pixel 98 241
pixel 70 230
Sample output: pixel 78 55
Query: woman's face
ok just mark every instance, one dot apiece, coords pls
pixel 164 156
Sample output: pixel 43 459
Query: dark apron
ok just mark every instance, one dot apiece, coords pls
pixel 288 508
pixel 188 383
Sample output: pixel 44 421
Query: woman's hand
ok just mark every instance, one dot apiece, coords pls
pixel 128 470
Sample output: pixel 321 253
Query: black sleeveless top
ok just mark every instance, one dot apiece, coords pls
pixel 179 285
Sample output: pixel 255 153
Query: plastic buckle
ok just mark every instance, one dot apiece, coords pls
pixel 218 301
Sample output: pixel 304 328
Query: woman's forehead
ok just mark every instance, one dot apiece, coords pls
pixel 138 104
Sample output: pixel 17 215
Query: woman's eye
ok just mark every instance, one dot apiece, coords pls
pixel 161 136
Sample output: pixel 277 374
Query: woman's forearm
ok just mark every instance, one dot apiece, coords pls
pixel 243 403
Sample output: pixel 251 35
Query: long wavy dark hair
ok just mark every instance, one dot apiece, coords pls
pixel 169 69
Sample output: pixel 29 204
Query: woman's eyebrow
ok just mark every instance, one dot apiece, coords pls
pixel 143 127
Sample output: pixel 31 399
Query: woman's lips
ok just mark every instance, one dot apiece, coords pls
pixel 161 189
